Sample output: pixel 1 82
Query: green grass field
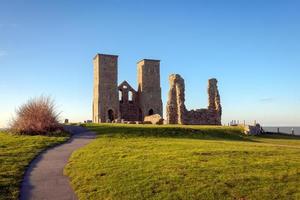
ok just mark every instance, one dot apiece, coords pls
pixel 16 152
pixel 190 162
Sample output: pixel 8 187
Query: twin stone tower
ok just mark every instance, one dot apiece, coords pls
pixel 116 103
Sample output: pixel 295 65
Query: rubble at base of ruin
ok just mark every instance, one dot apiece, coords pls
pixel 154 119
pixel 150 119
pixel 177 112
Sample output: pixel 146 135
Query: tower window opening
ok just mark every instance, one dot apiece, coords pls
pixel 130 97
pixel 120 96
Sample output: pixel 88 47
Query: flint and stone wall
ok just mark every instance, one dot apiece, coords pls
pixel 129 108
pixel 105 99
pixel 177 112
pixel 149 89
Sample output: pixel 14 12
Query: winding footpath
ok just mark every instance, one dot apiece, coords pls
pixel 44 178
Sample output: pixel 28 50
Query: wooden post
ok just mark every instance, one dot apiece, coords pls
pixel 278 130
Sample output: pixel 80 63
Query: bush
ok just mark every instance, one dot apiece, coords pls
pixel 36 117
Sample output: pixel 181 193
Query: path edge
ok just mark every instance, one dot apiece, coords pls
pixel 26 171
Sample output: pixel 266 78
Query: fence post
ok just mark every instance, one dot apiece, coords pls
pixel 278 130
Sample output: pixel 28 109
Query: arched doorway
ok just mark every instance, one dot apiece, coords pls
pixel 111 115
pixel 151 112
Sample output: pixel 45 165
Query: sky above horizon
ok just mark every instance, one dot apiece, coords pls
pixel 251 47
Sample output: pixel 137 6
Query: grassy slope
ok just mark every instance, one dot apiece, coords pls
pixel 16 152
pixel 146 162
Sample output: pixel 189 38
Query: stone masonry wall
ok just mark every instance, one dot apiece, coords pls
pixel 149 89
pixel 177 112
pixel 175 107
pixel 105 100
pixel 129 108
pixel 214 101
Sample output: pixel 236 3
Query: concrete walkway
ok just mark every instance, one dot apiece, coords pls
pixel 44 179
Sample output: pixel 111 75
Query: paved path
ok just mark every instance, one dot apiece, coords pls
pixel 44 179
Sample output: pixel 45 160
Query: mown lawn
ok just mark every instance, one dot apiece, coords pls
pixel 190 162
pixel 16 152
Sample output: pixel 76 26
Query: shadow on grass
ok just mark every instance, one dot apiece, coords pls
pixel 185 132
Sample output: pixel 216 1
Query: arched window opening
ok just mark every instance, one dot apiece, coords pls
pixel 150 112
pixel 111 115
pixel 120 96
pixel 130 97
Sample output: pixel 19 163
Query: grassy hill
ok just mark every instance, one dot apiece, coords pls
pixel 16 152
pixel 185 162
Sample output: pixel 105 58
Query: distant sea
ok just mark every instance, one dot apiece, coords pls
pixel 283 129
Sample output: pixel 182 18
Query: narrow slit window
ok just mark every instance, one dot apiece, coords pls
pixel 130 96
pixel 120 96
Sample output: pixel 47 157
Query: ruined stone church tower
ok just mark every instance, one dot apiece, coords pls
pixel 112 101
pixel 149 89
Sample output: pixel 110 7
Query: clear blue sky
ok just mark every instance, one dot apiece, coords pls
pixel 251 47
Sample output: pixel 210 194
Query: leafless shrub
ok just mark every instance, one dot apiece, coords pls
pixel 36 117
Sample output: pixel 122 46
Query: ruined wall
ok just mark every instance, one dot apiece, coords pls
pixel 177 112
pixel 202 117
pixel 129 103
pixel 105 98
pixel 214 101
pixel 175 106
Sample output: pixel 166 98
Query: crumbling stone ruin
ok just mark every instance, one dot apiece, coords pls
pixel 177 112
pixel 122 103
